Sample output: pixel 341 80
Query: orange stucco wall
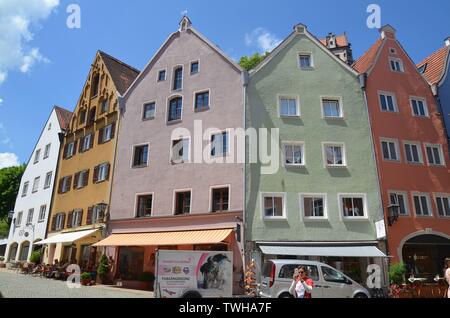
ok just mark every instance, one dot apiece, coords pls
pixel 403 126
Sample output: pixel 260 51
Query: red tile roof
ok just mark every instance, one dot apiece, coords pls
pixel 341 41
pixel 365 62
pixel 435 65
pixel 63 116
pixel 123 75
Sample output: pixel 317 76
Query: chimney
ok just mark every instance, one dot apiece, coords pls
pixel 447 41
pixel 387 31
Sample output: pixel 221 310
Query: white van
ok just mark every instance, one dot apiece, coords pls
pixel 328 282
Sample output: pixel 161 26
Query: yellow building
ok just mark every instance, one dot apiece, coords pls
pixel 80 206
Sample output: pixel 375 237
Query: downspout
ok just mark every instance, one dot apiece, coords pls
pixel 245 79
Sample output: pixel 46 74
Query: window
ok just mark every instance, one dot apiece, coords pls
pixel 140 156
pixel 47 151
pixel 95 85
pixel 399 199
pixel 92 115
pixel 419 107
pixel 99 213
pixel 194 67
pixel 104 106
pixel 390 150
pixel 413 153
pixel 178 79
pixel 48 180
pixel 434 155
pixel 81 179
pixel 82 118
pixel 162 76
pixel 69 150
pixel 273 206
pixel 30 216
pixel 75 218
pixel 37 155
pixel 19 219
pixel 220 199
pixel 313 206
pixel 182 203
pixel 396 65
pixel 106 134
pixel 353 206
pixel 202 101
pixel 149 111
pixel 144 206
pixel 305 61
pixel 334 155
pixel 388 102
pixel 293 154
pixel 64 184
pixel 36 184
pixel 175 109
pixel 86 143
pixel 101 173
pixel 422 204
pixel 392 50
pixel 180 150
pixel 333 276
pixel 219 144
pixel 49 126
pixel 42 212
pixel 443 205
pixel 331 108
pixel 289 107
pixel 25 188
pixel 59 224
pixel 287 271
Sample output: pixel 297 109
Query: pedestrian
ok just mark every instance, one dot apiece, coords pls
pixel 447 275
pixel 302 285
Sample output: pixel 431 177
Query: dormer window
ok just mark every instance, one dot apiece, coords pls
pixel 178 79
pixel 95 85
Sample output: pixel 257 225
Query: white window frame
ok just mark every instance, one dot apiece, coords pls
pixel 70 150
pixel 425 106
pixel 362 196
pixel 102 111
pixel 397 150
pixel 441 155
pixel 311 60
pixel 298 113
pixel 182 138
pixel 419 148
pixel 136 202
pixel 102 172
pixel 36 182
pixel 344 154
pixel 206 90
pixel 400 62
pixel 190 67
pixel 85 147
pixel 229 150
pixel 47 151
pixel 172 81
pixel 168 100
pixel 37 156
pixel 441 196
pixel 394 101
pixel 405 198
pixel 165 75
pixel 143 110
pixel 214 187
pixel 294 144
pixel 323 196
pixel 133 149
pixel 19 218
pixel 174 201
pixel 341 106
pixel 30 216
pixel 59 222
pixel 281 195
pixel 75 216
pixel 48 180
pixel 79 181
pixel 107 131
pixel 42 213
pixel 26 185
pixel 430 207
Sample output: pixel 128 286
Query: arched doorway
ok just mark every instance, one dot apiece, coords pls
pixel 12 251
pixel 424 254
pixel 24 249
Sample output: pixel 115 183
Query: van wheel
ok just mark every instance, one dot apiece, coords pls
pixel 192 294
pixel 285 295
pixel 361 295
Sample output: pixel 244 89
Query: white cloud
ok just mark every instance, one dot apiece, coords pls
pixel 1 101
pixel 4 138
pixel 8 160
pixel 264 40
pixel 18 18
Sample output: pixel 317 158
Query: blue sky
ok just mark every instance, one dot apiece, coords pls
pixel 44 63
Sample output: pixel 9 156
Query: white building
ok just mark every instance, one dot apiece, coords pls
pixel 29 224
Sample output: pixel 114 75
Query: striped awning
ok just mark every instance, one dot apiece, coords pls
pixel 167 238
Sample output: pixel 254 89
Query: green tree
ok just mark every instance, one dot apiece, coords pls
pixel 250 62
pixel 9 187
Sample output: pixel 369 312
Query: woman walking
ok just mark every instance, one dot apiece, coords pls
pixel 302 286
pixel 447 275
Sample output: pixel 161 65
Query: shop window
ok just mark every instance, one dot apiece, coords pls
pixel 131 263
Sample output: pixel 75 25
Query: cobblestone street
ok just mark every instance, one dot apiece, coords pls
pixel 14 285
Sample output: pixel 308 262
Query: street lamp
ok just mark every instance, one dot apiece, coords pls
pixel 393 213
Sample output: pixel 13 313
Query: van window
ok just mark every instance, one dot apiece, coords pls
pixel 287 271
pixel 330 275
pixel 267 268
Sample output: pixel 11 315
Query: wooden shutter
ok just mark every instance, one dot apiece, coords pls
pixel 108 168
pixel 75 181
pixel 60 186
pixel 80 219
pixel 95 177
pixel 65 151
pixel 80 146
pixel 89 215
pixel 86 178
pixel 53 227
pixel 100 136
pixel 69 183
pixel 91 143
pixel 113 130
pixel 70 219
pixel 75 143
pixel 63 219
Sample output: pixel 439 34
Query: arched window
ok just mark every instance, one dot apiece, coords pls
pixel 92 114
pixel 175 108
pixel 95 85
pixel 178 78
